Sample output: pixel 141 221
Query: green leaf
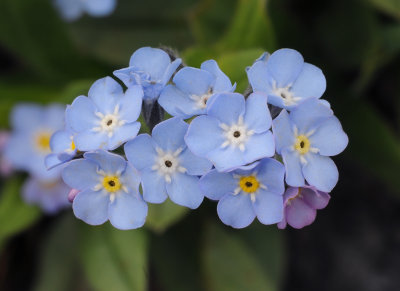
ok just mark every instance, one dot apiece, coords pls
pixel 162 216
pixel 114 259
pixel 15 213
pixel 242 260
pixel 391 7
pixel 58 267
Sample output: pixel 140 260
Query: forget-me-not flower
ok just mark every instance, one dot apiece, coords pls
pixel 235 131
pixel 151 68
pixel 306 138
pixel 245 194
pixel 109 190
pixel 29 143
pixel 286 78
pixel 71 10
pixel 193 88
pixel 301 206
pixel 168 167
pixel 63 148
pixel 108 118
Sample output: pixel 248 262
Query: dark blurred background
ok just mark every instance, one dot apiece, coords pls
pixel 354 243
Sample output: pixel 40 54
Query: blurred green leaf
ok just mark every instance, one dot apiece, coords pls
pixel 161 216
pixel 114 259
pixel 15 214
pixel 59 263
pixel 235 264
pixel 391 7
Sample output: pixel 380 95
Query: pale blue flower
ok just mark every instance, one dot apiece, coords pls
pixel 71 10
pixel 63 148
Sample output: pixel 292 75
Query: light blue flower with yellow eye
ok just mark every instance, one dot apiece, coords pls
pixel 235 131
pixel 246 194
pixel 286 78
pixel 193 88
pixel 71 10
pixel 306 138
pixel 107 118
pixel 63 148
pixel 168 167
pixel 108 190
pixel 29 142
pixel 150 68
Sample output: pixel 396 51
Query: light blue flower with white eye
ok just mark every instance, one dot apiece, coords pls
pixel 108 118
pixel 193 88
pixel 63 148
pixel 286 78
pixel 108 190
pixel 167 166
pixel 235 131
pixel 151 68
pixel 246 194
pixel 71 10
pixel 29 142
pixel 51 196
pixel 306 138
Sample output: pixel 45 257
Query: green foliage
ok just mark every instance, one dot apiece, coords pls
pixel 161 216
pixel 391 7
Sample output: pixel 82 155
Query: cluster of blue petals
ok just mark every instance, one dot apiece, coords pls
pixel 218 143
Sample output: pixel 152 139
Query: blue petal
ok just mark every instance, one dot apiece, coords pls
pixel 204 135
pixel 26 117
pixel 153 185
pixel 127 212
pixel 227 159
pixel 285 66
pixel 310 83
pixel 61 141
pixel 100 7
pixel 123 134
pixel 127 76
pixel 184 190
pixel 152 61
pixel 215 185
pixel 268 207
pixel 257 116
pixel 81 174
pixel 80 116
pixel 54 160
pixel 283 131
pixel 170 71
pixel 70 10
pixel 131 104
pixel 308 115
pixel 169 134
pixel 53 117
pixel 131 178
pixel 329 138
pixel 178 103
pixel 294 175
pixel 272 174
pixel 227 107
pixel 321 172
pixel 108 162
pixel 19 151
pixel 105 93
pixel 193 81
pixel 193 164
pixel 222 82
pixel 90 141
pixel 260 78
pixel 236 210
pixel 91 207
pixel 140 152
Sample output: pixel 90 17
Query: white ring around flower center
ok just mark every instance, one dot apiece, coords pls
pixel 109 122
pixel 101 175
pixel 285 93
pixel 311 149
pixel 201 101
pixel 236 135
pixel 167 164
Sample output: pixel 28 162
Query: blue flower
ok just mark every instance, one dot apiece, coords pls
pixel 109 190
pixel 106 119
pixel 286 78
pixel 306 138
pixel 245 194
pixel 167 166
pixel 151 68
pixel 71 10
pixel 63 148
pixel 29 142
pixel 234 133
pixel 193 88
pixel 50 196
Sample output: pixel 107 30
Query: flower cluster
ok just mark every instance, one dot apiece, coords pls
pixel 218 144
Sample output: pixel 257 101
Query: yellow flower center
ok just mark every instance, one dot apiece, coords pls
pixel 73 146
pixel 302 144
pixel 43 141
pixel 112 183
pixel 249 184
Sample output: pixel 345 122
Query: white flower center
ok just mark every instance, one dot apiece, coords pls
pixel 109 122
pixel 167 164
pixel 201 101
pixel 286 94
pixel 236 135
